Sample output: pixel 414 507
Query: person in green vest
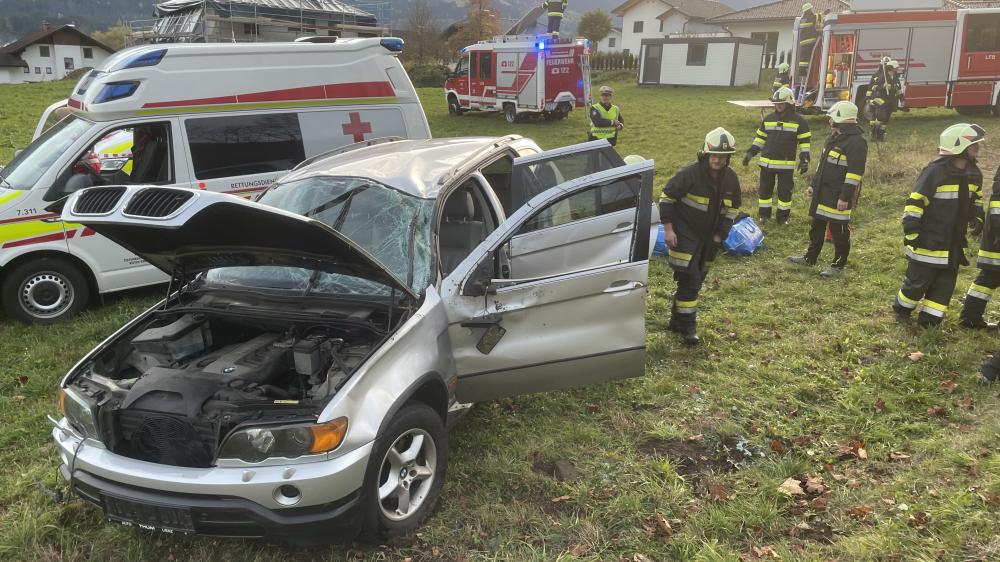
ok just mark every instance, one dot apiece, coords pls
pixel 606 118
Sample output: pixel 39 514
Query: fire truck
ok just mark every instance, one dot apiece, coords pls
pixel 947 58
pixel 521 75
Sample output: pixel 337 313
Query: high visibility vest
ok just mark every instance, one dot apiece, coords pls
pixel 610 115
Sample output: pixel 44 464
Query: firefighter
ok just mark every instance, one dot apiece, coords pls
pixel 781 79
pixel 986 283
pixel 555 9
pixel 810 26
pixel 780 136
pixel 885 93
pixel 606 118
pixel 943 205
pixel 834 188
pixel 697 209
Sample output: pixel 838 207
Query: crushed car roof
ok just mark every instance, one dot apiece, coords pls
pixel 412 166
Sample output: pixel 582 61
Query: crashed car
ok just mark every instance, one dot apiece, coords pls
pixel 315 345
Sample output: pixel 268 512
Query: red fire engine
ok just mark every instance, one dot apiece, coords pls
pixel 947 58
pixel 521 75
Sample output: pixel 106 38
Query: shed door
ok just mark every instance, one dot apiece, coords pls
pixel 651 64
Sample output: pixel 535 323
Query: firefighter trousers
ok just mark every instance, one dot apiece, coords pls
pixel 765 193
pixel 554 22
pixel 881 113
pixel 928 286
pixel 805 57
pixel 841 233
pixel 979 295
pixel 684 312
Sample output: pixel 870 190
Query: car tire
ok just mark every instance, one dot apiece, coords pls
pixel 44 291
pixel 454 107
pixel 510 113
pixel 385 482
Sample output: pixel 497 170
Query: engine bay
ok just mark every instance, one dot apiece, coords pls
pixel 172 389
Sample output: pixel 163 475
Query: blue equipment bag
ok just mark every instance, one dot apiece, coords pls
pixel 660 248
pixel 744 238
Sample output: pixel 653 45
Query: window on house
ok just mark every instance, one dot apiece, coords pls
pixel 611 42
pixel 661 26
pixel 48 70
pixel 625 52
pixel 637 27
pixel 770 39
pixel 27 70
pixel 38 70
pixel 697 53
pixel 309 25
pixel 68 63
pixel 251 29
pixel 88 52
pixel 43 50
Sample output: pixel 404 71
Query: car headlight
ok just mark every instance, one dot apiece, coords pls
pixel 259 443
pixel 79 412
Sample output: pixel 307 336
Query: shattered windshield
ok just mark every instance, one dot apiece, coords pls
pixel 395 228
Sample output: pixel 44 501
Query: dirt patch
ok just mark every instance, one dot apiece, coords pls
pixel 701 456
pixel 540 465
pixel 815 530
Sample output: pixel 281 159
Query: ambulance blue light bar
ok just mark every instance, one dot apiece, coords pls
pixel 150 58
pixel 393 44
pixel 116 91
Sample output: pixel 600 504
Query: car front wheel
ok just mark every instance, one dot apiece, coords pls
pixel 405 473
pixel 44 291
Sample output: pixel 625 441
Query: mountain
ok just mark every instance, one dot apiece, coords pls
pixel 21 17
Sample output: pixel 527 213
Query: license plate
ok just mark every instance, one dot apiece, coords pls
pixel 148 516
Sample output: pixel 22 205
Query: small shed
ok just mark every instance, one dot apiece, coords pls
pixel 701 61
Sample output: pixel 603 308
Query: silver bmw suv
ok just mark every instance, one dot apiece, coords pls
pixel 316 343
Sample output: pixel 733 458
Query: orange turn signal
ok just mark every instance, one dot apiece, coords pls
pixel 328 436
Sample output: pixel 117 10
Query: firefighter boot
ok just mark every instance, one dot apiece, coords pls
pixel 689 331
pixel 991 370
pixel 802 260
pixel 972 315
pixel 902 315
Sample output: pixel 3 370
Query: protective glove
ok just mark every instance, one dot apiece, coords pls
pixel 977 227
pixel 746 158
pixel 803 166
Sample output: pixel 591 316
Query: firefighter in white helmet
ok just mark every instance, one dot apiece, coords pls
pixel 885 94
pixel 945 203
pixel 835 187
pixel 697 209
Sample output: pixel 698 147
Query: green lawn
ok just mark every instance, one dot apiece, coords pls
pixel 806 375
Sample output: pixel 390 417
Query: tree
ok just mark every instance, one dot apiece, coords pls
pixel 113 37
pixel 481 22
pixel 423 42
pixel 594 25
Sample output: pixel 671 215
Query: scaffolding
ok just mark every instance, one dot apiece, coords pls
pixel 251 21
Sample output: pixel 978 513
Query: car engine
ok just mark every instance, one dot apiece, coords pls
pixel 172 392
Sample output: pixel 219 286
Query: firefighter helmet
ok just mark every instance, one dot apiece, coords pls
pixel 885 60
pixel 783 68
pixel 893 64
pixel 958 137
pixel 719 141
pixel 783 95
pixel 633 159
pixel 806 7
pixel 843 112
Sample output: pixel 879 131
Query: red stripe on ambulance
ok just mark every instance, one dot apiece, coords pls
pixel 349 90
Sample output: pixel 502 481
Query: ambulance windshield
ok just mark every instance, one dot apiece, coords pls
pixel 392 226
pixel 27 168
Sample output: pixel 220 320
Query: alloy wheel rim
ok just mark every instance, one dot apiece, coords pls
pixel 46 294
pixel 407 474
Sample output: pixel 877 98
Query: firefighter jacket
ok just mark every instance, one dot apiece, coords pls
pixel 809 27
pixel 781 80
pixel 838 176
pixel 944 204
pixel 555 7
pixel 989 246
pixel 699 207
pixel 780 137
pixel 884 89
pixel 603 119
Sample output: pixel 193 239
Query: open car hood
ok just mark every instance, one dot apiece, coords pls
pixel 189 231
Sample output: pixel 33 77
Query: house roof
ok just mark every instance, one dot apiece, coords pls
pixel 17 47
pixel 780 10
pixel 11 60
pixel 691 8
pixel 334 6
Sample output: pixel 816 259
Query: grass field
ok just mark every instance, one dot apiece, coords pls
pixel 798 377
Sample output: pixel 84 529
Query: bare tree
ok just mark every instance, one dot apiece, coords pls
pixel 481 22
pixel 423 41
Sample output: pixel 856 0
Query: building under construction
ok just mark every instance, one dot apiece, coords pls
pixel 247 21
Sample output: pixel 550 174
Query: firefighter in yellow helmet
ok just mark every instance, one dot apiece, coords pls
pixel 697 209
pixel 606 118
pixel 782 79
pixel 981 291
pixel 945 203
pixel 783 141
pixel 810 27
pixel 834 188
pixel 555 10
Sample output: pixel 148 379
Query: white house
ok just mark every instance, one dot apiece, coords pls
pixel 611 43
pixel 50 54
pixel 772 23
pixel 655 19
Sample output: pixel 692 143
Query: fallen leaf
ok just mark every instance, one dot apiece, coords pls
pixel 777 446
pixel 988 497
pixel 860 512
pixel 560 499
pixel 664 525
pixel 948 386
pixel 917 520
pixel 593 408
pixel 853 449
pixel 19 397
pixel 696 437
pixel 765 552
pixel 579 550
pixel 718 492
pixel 801 440
pixel 791 487
pixel 22 379
pixel 754 429
pixel 965 404
pixel 879 406
pixel 821 504
pixel 935 411
pixel 854 484
pixel 964 428
pixel 898 456
pixel 641 558
pixel 435 551
pixel 814 485
pixel 888 501
pixel 693 390
pixel 916 356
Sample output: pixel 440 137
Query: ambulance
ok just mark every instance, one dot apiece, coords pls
pixel 947 58
pixel 230 118
pixel 521 75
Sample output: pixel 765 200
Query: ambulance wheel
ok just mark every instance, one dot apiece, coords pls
pixel 510 113
pixel 454 107
pixel 44 291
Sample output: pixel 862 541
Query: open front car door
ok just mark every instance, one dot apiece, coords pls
pixel 556 296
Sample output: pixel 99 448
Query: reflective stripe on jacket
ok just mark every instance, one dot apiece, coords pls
pixel 809 27
pixel 945 202
pixel 989 245
pixel 839 174
pixel 781 80
pixel 555 7
pixel 780 137
pixel 699 208
pixel 598 128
